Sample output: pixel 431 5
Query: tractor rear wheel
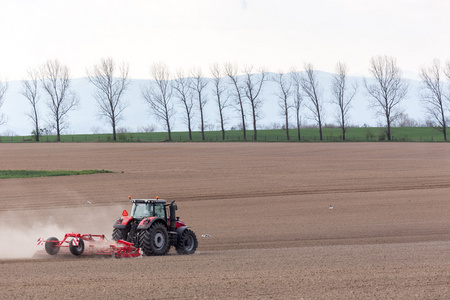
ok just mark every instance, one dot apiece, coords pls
pixel 187 242
pixel 76 247
pixel 155 240
pixel 52 246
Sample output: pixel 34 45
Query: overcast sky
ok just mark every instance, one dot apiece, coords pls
pixel 277 34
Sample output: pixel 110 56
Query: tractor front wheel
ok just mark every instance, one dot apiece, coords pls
pixel 139 240
pixel 155 240
pixel 119 234
pixel 187 242
pixel 52 246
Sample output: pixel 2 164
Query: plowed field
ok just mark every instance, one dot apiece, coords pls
pixel 283 221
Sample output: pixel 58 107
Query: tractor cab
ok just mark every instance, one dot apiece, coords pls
pixel 144 208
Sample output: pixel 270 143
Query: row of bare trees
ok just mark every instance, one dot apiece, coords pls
pixel 191 91
pixel 386 90
pixel 53 79
pixel 232 87
pixel 389 89
pixel 435 93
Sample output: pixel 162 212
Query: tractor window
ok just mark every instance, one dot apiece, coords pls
pixel 159 210
pixel 142 210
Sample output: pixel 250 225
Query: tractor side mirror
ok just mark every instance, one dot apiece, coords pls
pixel 175 207
pixel 124 213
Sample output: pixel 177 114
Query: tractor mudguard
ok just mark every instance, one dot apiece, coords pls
pixel 181 229
pixel 147 222
pixel 122 222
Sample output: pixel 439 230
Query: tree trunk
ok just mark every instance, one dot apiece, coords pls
pixel 189 128
pixel 201 116
pixel 114 129
pixel 320 128
pixel 168 128
pixel 243 122
pixel 320 131
pixel 37 133
pixel 37 125
pixel 444 129
pixel 169 132
pixel 222 125
pixel 388 129
pixel 444 124
pixel 287 123
pixel 255 133
pixel 58 137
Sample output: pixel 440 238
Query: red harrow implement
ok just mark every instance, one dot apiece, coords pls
pixel 89 244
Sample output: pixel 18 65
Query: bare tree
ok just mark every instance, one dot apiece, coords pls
pixel 298 98
pixel 231 71
pixel 30 90
pixel 199 84
pixel 159 93
pixel 111 84
pixel 222 102
pixel 252 88
pixel 3 89
pixel 403 120
pixel 388 90
pixel 342 95
pixel 311 88
pixel 284 94
pixel 56 80
pixel 182 85
pixel 433 94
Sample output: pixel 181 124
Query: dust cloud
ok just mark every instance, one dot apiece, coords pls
pixel 20 230
pixel 22 242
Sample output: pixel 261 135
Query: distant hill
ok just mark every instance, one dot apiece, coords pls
pixel 136 116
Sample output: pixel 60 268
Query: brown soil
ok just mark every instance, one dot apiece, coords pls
pixel 265 206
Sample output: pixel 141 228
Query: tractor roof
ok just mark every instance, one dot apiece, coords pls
pixel 148 201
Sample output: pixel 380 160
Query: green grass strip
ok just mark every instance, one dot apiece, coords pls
pixel 5 174
pixel 353 134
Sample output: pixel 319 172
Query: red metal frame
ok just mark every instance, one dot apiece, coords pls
pixel 96 244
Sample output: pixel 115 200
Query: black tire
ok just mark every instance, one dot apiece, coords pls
pixel 52 246
pixel 119 234
pixel 139 242
pixel 187 243
pixel 155 240
pixel 77 250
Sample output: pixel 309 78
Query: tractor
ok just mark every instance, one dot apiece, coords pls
pixel 154 231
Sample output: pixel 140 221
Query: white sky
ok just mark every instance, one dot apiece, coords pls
pixel 277 34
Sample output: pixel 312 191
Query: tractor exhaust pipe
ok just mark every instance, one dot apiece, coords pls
pixel 172 208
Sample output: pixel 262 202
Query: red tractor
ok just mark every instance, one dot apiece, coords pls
pixel 150 228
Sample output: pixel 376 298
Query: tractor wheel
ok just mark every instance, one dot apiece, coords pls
pixel 52 246
pixel 155 240
pixel 119 234
pixel 139 241
pixel 187 242
pixel 76 248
